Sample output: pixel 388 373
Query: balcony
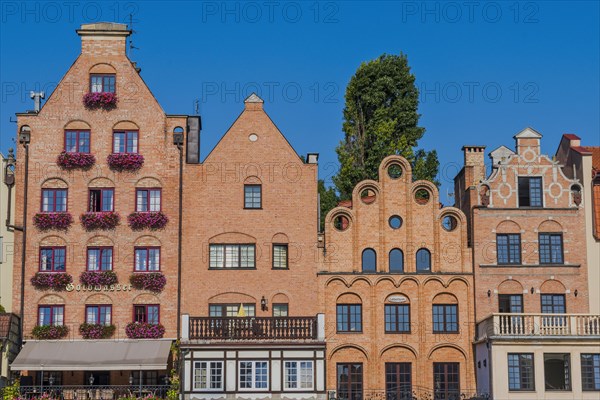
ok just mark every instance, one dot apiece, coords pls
pixel 538 325
pixel 253 328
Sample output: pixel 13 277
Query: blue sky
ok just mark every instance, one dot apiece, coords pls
pixel 486 70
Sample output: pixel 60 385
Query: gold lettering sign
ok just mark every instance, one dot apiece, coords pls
pixel 98 288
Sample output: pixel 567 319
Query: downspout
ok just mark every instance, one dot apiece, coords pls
pixel 24 242
pixel 179 239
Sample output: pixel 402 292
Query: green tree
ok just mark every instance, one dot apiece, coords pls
pixel 381 119
pixel 328 198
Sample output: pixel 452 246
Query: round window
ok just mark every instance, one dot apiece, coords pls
pixel 367 196
pixel 395 222
pixel 253 137
pixel 341 223
pixel 422 196
pixel 395 171
pixel 449 223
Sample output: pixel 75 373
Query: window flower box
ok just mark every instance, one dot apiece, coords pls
pixel 125 161
pixel 49 332
pixel 144 330
pixel 153 220
pixel 96 278
pixel 56 281
pixel 104 220
pixel 70 161
pixel 46 221
pixel 96 331
pixel 102 100
pixel 152 281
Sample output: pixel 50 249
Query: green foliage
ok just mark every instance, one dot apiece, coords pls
pixel 2 309
pixel 329 199
pixel 10 392
pixel 381 119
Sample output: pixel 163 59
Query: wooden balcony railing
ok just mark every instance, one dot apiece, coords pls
pixel 252 328
pixel 539 325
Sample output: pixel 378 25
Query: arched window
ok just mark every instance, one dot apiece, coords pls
pixel 369 260
pixel 396 260
pixel 423 260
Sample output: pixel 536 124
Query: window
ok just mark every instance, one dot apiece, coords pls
pixel 397 318
pixel 51 315
pixel 77 141
pixel 369 260
pixel 350 381
pixel 446 380
pixel 349 317
pixel 445 318
pixel 553 304
pixel 208 375
pixel 52 259
pixel 530 192
pixel 508 248
pixel 252 196
pixel 280 310
pixel 398 381
pixel 557 371
pixel 396 260
pixel 280 256
pixel 510 303
pixel 146 313
pixel 520 371
pixel 102 83
pixel 590 371
pixel 147 259
pixel 101 200
pixel 423 260
pixel 232 256
pixel 231 310
pixel 99 258
pixel 148 378
pixel 147 200
pixel 551 248
pixel 125 142
pixel 98 314
pixel 254 375
pixel 54 200
pixel 298 375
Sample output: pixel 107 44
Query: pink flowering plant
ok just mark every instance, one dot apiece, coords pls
pixel 153 220
pixel 69 161
pixel 152 281
pixel 98 278
pixel 104 220
pixel 96 331
pixel 104 100
pixel 56 281
pixel 125 161
pixel 144 330
pixel 46 221
pixel 49 332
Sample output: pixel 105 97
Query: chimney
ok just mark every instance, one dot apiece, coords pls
pixel 253 103
pixel 104 39
pixel 474 164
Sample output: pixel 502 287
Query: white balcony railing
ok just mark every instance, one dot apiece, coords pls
pixel 539 325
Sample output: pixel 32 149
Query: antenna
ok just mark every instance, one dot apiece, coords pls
pixel 131 47
pixel 196 107
pixel 449 194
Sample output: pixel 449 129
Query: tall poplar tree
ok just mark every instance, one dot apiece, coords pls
pixel 380 119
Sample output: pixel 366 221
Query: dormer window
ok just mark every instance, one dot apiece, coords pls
pixel 530 192
pixel 102 83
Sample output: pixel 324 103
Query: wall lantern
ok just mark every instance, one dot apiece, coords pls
pixel 489 292
pixel 263 304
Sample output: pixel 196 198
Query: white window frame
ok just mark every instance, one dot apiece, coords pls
pixel 253 381
pixel 297 363
pixel 209 368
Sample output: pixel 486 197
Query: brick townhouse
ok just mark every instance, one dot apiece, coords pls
pixel 100 272
pixel 396 286
pixel 250 327
pixel 534 337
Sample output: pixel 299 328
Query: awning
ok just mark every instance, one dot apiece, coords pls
pixel 98 355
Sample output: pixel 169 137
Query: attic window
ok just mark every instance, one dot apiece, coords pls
pixel 102 83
